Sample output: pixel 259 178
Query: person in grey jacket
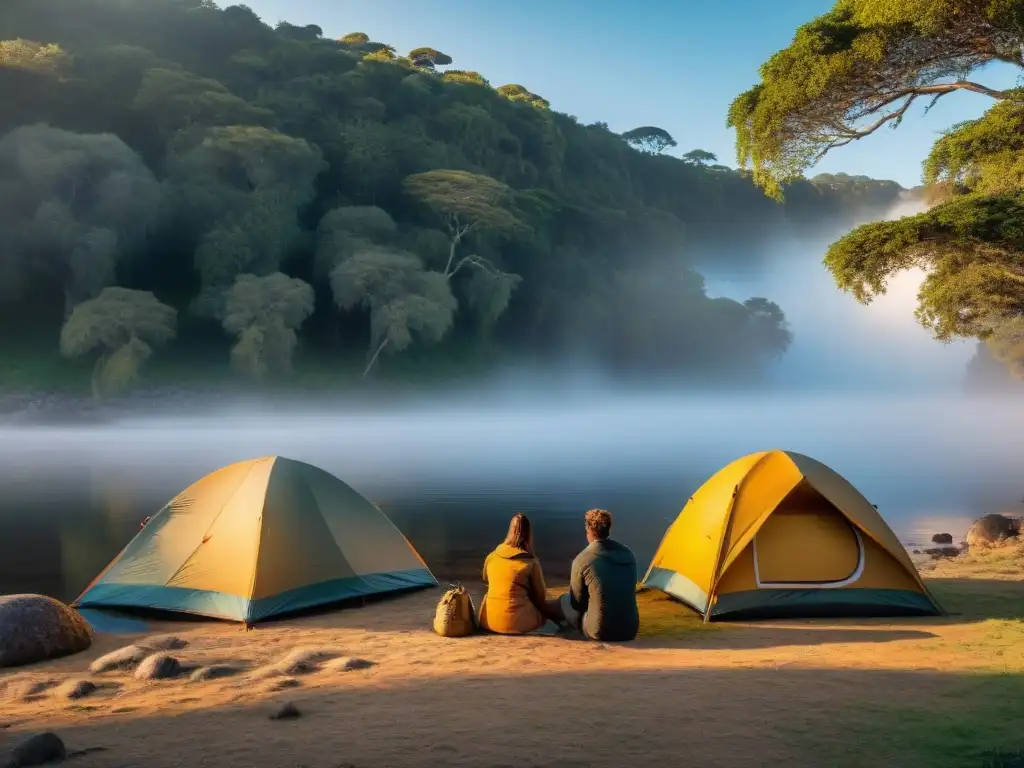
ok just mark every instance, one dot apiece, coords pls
pixel 602 586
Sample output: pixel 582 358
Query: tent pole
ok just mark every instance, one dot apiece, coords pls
pixel 727 523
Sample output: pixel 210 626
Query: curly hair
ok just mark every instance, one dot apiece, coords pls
pixel 520 533
pixel 599 522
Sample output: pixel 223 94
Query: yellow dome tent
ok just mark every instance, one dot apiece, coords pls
pixel 257 539
pixel 778 534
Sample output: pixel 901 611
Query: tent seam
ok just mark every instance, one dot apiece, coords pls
pixel 210 526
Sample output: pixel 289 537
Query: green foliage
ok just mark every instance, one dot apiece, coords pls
pixel 72 208
pixel 464 76
pixel 243 186
pixel 700 157
pixel 355 38
pixel 403 299
pixel 862 66
pixel 429 58
pixel 984 155
pixel 264 313
pixel 122 326
pixel 517 93
pixel 972 247
pixel 650 139
pixel 31 56
pixel 464 201
pixel 191 145
pixel 176 99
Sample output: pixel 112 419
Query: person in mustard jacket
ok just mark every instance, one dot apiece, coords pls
pixel 516 600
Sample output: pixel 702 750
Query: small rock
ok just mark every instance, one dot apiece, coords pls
pixel 123 658
pixel 942 538
pixel 213 672
pixel 347 664
pixel 287 712
pixel 76 689
pixel 301 661
pixel 163 643
pixel 26 690
pixel 938 553
pixel 298 661
pixel 39 749
pixel 917 551
pixel 283 683
pixel 159 666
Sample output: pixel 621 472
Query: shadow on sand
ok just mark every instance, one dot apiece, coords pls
pixel 723 718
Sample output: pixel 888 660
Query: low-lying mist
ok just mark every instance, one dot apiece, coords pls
pixel 838 343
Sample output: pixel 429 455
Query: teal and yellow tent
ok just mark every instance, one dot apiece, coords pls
pixel 777 534
pixel 257 539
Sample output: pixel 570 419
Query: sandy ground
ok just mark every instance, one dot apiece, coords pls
pixel 754 695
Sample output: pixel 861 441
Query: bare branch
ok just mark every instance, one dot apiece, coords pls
pixel 474 261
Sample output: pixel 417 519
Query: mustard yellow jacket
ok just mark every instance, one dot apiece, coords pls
pixel 515 592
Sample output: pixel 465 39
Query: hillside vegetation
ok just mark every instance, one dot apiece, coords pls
pixel 186 183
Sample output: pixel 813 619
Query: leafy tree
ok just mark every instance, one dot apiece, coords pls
pixel 72 208
pixel 348 228
pixel 404 300
pixel 464 76
pixel 244 185
pixel 121 326
pixel 972 247
pixel 304 34
pixel 355 38
pixel 649 139
pixel 517 93
pixel 700 157
pixel 380 53
pixel 983 156
pixel 31 56
pixel 429 58
pixel 466 203
pixel 177 99
pixel 768 332
pixel 264 314
pixel 861 67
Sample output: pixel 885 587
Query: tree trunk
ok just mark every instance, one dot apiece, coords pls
pixel 451 255
pixel 373 359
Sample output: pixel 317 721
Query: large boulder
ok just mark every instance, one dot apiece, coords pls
pixel 992 530
pixel 36 628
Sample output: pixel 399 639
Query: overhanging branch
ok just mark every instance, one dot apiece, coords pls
pixel 937 91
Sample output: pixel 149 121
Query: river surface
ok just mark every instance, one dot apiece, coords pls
pixel 450 474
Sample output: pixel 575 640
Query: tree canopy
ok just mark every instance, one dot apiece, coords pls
pixel 649 139
pixel 299 200
pixel 121 327
pixel 862 66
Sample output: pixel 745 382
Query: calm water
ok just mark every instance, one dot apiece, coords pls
pixel 450 475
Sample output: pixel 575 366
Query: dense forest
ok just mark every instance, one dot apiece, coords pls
pixel 861 67
pixel 185 183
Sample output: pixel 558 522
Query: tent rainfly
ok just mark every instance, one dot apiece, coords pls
pixel 257 539
pixel 777 534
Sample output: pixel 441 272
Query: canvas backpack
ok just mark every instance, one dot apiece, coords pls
pixel 455 615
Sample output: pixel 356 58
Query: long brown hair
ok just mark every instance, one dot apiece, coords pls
pixel 520 533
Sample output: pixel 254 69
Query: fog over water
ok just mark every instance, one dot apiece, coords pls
pixel 838 342
pixel 864 390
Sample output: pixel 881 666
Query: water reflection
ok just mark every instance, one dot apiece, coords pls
pixel 450 476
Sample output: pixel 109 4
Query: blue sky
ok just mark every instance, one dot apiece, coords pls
pixel 676 64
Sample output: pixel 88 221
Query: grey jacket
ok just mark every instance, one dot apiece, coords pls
pixel 602 587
